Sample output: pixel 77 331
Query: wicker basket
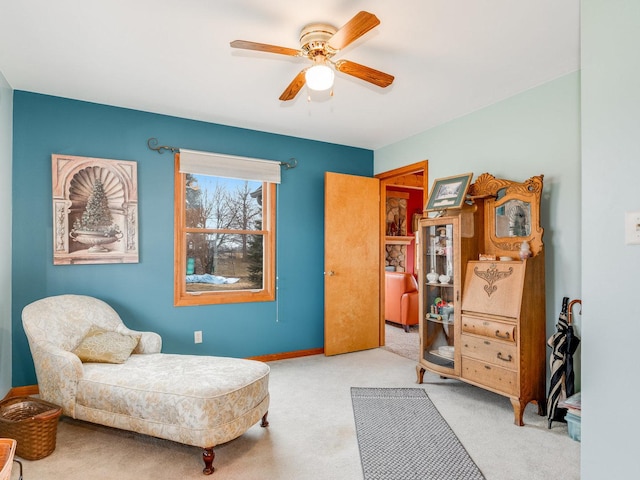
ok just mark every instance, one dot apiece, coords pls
pixel 7 451
pixel 33 423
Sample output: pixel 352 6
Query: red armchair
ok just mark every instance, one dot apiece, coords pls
pixel 401 299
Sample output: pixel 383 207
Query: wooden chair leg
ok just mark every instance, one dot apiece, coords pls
pixel 208 455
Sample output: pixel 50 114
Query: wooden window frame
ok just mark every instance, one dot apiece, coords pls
pixel 180 295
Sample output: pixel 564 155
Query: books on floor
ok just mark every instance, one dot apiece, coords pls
pixel 573 404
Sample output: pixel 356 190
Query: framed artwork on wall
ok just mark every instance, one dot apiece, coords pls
pixel 448 192
pixel 95 210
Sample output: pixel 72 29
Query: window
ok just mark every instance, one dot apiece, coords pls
pixel 224 234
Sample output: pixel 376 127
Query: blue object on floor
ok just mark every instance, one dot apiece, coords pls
pixel 573 422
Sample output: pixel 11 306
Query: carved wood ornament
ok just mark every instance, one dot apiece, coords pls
pixel 491 276
pixel 497 192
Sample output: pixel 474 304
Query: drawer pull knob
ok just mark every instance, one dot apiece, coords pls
pixel 500 357
pixel 500 335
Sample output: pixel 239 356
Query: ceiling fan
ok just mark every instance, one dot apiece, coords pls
pixel 319 42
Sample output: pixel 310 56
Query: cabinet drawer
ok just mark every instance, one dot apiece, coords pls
pixel 491 376
pixel 499 353
pixel 489 328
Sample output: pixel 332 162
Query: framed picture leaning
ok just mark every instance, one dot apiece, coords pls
pixel 448 192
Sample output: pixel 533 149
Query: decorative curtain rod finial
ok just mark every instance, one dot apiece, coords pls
pixel 292 163
pixel 152 143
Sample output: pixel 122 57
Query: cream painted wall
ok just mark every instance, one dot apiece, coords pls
pixel 6 134
pixel 610 179
pixel 535 132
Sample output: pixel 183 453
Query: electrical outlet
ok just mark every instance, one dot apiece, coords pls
pixel 632 228
pixel 197 336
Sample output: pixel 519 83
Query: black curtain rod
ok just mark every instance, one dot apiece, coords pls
pixel 152 143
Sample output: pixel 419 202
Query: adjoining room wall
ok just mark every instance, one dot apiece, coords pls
pixel 6 130
pixel 142 293
pixel 532 133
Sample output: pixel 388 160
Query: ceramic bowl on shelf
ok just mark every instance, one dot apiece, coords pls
pixel 432 277
pixel 444 278
pixel 446 351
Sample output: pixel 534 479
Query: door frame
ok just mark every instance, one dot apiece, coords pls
pixel 406 176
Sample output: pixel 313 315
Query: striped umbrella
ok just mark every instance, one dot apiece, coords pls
pixel 557 363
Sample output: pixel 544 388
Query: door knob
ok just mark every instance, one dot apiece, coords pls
pixel 331 273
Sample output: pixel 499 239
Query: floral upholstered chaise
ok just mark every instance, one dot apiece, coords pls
pixel 123 380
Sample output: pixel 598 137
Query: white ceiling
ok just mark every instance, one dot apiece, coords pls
pixel 449 58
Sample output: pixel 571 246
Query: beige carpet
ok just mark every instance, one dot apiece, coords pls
pixel 402 343
pixel 312 433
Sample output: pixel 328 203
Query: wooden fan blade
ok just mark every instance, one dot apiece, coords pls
pixel 367 74
pixel 294 87
pixel 360 24
pixel 263 47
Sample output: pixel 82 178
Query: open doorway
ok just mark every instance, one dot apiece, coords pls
pixel 403 194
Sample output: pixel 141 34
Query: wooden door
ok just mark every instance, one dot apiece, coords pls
pixel 352 263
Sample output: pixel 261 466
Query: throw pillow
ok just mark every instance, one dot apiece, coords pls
pixel 104 346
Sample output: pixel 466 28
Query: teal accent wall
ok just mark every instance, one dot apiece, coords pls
pixel 142 293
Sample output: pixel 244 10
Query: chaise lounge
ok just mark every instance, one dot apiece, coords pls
pixel 123 380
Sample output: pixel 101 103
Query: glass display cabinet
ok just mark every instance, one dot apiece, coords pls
pixel 437 331
pixel 444 251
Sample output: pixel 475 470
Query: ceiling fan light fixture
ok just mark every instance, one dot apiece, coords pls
pixel 319 77
pixel 319 42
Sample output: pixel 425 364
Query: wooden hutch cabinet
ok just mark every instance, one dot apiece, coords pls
pixel 487 327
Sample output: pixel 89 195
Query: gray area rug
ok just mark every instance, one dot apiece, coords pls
pixel 402 436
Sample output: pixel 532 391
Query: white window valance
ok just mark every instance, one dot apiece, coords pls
pixel 229 166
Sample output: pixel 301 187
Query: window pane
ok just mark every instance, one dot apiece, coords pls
pixel 224 240
pixel 217 262
pixel 222 203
